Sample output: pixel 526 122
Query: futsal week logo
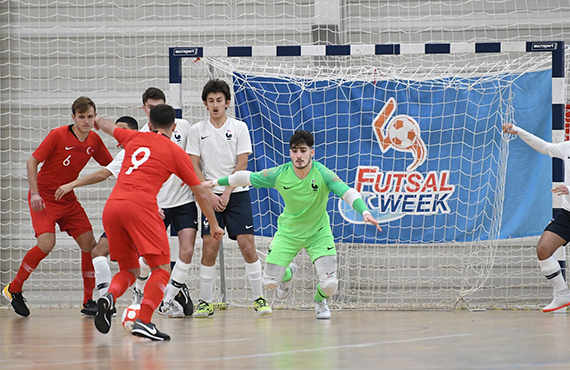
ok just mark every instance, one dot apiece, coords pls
pixel 393 194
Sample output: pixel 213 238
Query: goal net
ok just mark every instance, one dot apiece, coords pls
pixel 419 136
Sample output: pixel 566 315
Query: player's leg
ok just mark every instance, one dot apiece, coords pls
pixel 238 218
pixel 102 269
pixel 177 301
pixel 140 283
pixel 13 291
pixel 279 269
pixel 326 267
pixel 322 251
pixel 86 242
pixel 210 249
pixel 555 235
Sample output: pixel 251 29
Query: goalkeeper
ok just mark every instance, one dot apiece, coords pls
pixel 304 185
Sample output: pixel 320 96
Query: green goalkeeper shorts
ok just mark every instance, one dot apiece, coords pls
pixel 284 248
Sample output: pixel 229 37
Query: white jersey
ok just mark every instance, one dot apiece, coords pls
pixel 554 150
pixel 218 148
pixel 115 166
pixel 174 192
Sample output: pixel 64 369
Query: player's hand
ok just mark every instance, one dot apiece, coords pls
pixel 371 220
pixel 561 190
pixel 161 213
pixel 216 232
pixel 37 203
pixel 509 129
pixel 96 124
pixel 216 201
pixel 62 190
pixel 208 184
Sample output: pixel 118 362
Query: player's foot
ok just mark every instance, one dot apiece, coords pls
pixel 137 296
pixel 171 309
pixel 261 306
pixel 284 289
pixel 17 300
pixel 323 312
pixel 204 309
pixel 149 331
pixel 105 306
pixel 560 300
pixel 183 297
pixel 89 308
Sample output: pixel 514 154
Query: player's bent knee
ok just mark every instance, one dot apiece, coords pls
pixel 329 285
pixel 272 275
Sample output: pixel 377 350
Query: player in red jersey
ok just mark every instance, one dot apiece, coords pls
pixel 64 152
pixel 131 219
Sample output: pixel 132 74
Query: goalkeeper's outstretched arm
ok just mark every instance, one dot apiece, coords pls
pixel 354 199
pixel 239 178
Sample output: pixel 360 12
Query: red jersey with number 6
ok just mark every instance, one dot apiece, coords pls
pixel 150 159
pixel 63 157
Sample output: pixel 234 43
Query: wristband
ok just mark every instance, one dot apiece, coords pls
pixel 366 213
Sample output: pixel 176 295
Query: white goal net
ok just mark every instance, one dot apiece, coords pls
pixel 437 184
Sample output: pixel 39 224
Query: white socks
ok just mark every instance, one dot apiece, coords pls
pixel 551 269
pixel 207 280
pixel 253 271
pixel 177 278
pixel 145 272
pixel 102 274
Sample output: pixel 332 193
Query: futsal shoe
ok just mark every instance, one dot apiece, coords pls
pixel 17 300
pixel 284 289
pixel 149 331
pixel 183 297
pixel 89 308
pixel 137 296
pixel 261 306
pixel 323 312
pixel 560 300
pixel 204 309
pixel 171 309
pixel 105 306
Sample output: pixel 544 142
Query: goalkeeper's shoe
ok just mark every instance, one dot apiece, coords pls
pixel 322 309
pixel 17 300
pixel 284 289
pixel 149 331
pixel 261 306
pixel 183 297
pixel 204 309
pixel 560 300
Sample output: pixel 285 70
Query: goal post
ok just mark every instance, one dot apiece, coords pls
pixel 416 129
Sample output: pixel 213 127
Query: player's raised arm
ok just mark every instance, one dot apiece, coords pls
pixel 92 178
pixel 239 178
pixel 104 124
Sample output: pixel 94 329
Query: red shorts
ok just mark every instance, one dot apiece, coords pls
pixel 70 216
pixel 134 230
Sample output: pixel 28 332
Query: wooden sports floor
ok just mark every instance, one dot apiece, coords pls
pixel 237 339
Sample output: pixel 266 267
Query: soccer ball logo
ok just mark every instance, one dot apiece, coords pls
pixel 403 132
pixel 130 314
pixel 400 132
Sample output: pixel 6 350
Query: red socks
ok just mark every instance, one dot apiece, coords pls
pixel 88 272
pixel 31 260
pixel 153 293
pixel 120 283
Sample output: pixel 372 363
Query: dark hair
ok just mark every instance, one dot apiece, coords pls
pixel 82 104
pixel 162 116
pixel 130 121
pixel 153 93
pixel 216 86
pixel 301 137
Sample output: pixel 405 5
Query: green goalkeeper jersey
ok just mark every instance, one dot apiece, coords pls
pixel 305 211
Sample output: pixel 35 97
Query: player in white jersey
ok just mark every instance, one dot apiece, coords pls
pixel 218 147
pixel 100 253
pixel 180 213
pixel 557 232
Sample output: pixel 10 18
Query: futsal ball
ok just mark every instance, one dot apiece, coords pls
pixel 130 314
pixel 403 131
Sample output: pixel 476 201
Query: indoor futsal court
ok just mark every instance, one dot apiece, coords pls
pixel 444 121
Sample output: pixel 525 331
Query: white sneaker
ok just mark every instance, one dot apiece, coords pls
pixel 171 309
pixel 560 300
pixel 137 296
pixel 323 312
pixel 284 289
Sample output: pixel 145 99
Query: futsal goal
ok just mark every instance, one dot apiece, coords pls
pixel 416 129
